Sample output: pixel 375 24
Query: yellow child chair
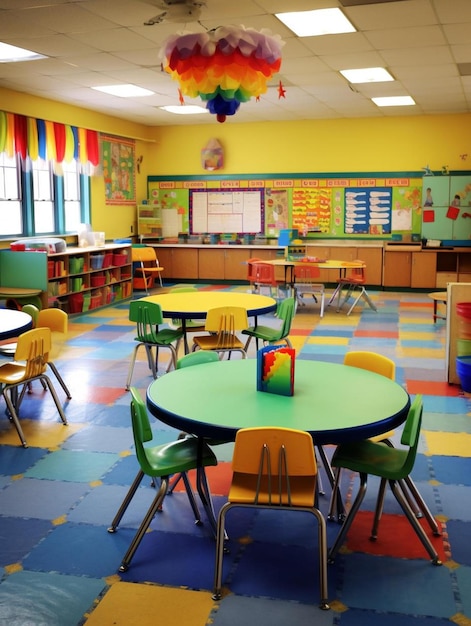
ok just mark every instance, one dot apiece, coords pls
pixel 273 468
pixel 148 267
pixel 29 364
pixel 58 323
pixel 223 323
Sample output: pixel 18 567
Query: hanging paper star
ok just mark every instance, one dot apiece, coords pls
pixel 281 90
pixel 180 97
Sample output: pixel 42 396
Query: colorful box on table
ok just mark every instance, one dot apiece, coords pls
pixel 275 370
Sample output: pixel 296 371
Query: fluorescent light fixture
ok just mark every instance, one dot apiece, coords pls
pixel 317 22
pixel 394 101
pixel 12 54
pixel 125 91
pixel 184 109
pixel 367 75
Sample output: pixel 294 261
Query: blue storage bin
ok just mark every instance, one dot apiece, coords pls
pixel 463 369
pixel 96 261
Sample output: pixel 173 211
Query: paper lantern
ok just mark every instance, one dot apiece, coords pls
pixel 224 66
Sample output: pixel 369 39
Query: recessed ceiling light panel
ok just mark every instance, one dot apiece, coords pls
pixel 184 109
pixel 394 101
pixel 317 22
pixel 12 54
pixel 124 91
pixel 367 75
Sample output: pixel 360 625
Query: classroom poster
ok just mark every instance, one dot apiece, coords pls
pixel 119 170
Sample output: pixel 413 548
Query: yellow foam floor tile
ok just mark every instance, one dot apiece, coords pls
pixel 448 444
pixel 329 341
pixel 421 353
pixel 414 320
pixel 146 605
pixel 40 434
pixel 415 336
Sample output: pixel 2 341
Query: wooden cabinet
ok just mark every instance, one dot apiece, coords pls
pixel 185 263
pixel 397 269
pixel 373 258
pixel 423 270
pixel 81 279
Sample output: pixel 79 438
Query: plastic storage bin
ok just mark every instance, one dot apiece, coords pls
pixel 97 280
pixel 120 259
pixel 96 261
pixel 76 303
pixel 463 369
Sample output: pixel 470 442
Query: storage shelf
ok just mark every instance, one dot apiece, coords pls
pixel 71 275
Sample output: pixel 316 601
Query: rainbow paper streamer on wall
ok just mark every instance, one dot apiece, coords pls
pixel 275 370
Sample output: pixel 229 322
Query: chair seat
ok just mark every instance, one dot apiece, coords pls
pixel 163 337
pixel 266 333
pixel 213 342
pixel 370 457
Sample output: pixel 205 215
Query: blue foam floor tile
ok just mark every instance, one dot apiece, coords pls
pixel 16 459
pixel 458 535
pixel 74 466
pixel 163 559
pixel 452 470
pixel 463 577
pixel 79 550
pixel 453 423
pixel 33 598
pixel 100 439
pixel 264 612
pixel 391 585
pixel 272 570
pixel 23 535
pixel 356 617
pixel 42 499
pixel 445 404
pixel 454 501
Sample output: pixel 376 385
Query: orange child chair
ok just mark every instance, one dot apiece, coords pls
pixel 148 267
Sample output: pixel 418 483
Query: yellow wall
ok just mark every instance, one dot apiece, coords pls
pixel 402 143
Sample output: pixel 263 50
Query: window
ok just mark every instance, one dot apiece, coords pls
pixel 72 208
pixel 11 218
pixel 43 197
pixel 39 199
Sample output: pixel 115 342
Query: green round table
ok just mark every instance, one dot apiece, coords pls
pixel 334 403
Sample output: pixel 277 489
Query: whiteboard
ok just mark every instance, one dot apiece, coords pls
pixel 221 211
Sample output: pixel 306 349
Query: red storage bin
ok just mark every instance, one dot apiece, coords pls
pixel 97 280
pixel 108 259
pixel 463 309
pixel 76 303
pixel 120 259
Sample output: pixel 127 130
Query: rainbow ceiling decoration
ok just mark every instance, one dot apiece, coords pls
pixel 224 66
pixel 44 139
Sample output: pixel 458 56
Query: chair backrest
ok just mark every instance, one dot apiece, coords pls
pixel 306 273
pixel 141 429
pixel 32 310
pixel 411 433
pixel 33 348
pixel 197 358
pixel 144 254
pixel 276 458
pixel 371 361
pixel 285 312
pixel 251 270
pixel 55 319
pixel 357 274
pixel 226 320
pixel 148 316
pixel 264 273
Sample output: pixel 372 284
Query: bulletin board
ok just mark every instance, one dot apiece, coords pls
pixel 447 208
pixel 356 206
